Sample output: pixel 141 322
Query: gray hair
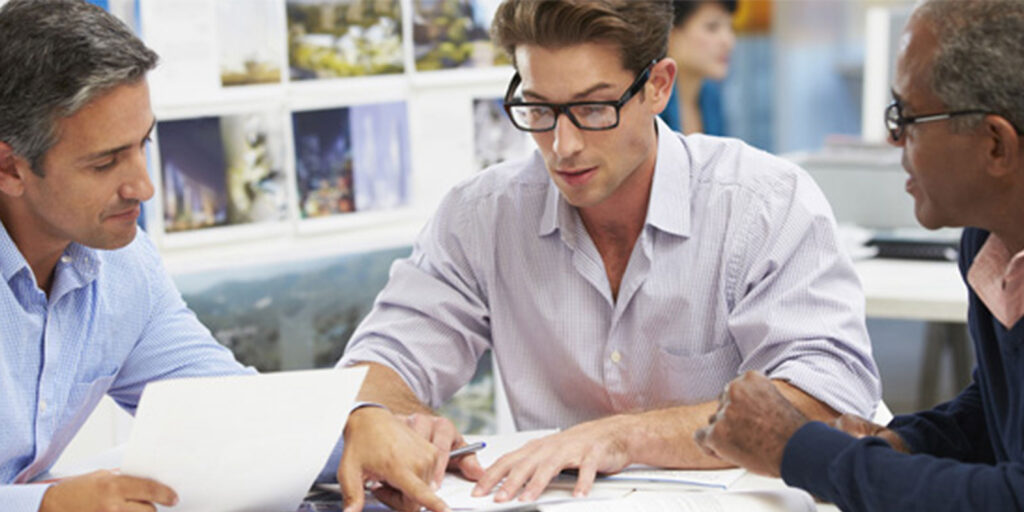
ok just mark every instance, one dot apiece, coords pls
pixel 979 63
pixel 55 57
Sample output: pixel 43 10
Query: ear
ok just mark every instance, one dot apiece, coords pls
pixel 12 169
pixel 1003 146
pixel 661 83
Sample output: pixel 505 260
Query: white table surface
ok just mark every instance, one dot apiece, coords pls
pixel 913 290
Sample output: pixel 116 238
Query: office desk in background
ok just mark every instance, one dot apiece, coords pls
pixel 929 291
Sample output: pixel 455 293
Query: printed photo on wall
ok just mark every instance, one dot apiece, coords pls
pixel 249 51
pixel 219 171
pixel 380 151
pixel 289 315
pixel 344 38
pixel 301 314
pixel 323 162
pixel 451 34
pixel 495 139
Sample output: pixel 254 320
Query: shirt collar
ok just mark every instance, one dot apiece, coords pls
pixel 669 206
pixel 11 259
pixel 84 262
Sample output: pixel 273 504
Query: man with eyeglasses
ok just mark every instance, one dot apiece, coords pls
pixel 958 109
pixel 621 275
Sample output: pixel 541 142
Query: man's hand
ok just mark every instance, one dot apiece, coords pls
pixel 408 454
pixel 596 446
pixel 442 434
pixel 752 425
pixel 105 491
pixel 859 427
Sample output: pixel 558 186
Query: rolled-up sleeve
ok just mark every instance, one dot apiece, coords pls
pixel 431 322
pixel 797 304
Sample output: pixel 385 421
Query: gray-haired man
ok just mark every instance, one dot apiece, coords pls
pixel 957 113
pixel 85 307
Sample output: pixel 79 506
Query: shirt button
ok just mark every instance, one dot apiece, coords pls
pixel 616 357
pixel 42 406
pixel 65 259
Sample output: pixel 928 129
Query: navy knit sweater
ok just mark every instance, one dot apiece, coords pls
pixel 968 454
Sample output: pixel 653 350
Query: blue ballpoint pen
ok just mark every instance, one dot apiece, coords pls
pixel 467 449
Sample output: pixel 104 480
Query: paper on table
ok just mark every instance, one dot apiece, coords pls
pixel 639 475
pixel 779 500
pixel 636 475
pixel 251 442
pixel 457 494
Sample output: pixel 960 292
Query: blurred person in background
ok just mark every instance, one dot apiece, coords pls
pixel 701 43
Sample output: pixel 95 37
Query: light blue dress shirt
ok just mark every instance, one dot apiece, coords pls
pixel 737 268
pixel 113 322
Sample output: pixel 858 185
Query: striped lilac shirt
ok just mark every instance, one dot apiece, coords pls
pixel 737 268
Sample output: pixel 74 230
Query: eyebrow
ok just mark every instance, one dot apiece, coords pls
pixel 113 151
pixel 585 93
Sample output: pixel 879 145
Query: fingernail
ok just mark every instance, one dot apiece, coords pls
pixel 477 492
pixel 435 485
pixel 502 495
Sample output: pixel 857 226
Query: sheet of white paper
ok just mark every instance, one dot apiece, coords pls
pixel 457 494
pixel 240 443
pixel 637 476
pixel 780 500
pixel 640 475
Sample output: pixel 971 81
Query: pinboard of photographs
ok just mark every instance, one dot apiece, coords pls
pixel 344 38
pixel 449 34
pixel 351 159
pixel 247 55
pixel 301 314
pixel 222 171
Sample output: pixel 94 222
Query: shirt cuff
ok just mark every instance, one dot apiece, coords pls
pixel 808 455
pixel 22 497
pixel 359 405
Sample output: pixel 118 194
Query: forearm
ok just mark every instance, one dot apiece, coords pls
pixel 866 474
pixel 664 437
pixel 384 386
pixel 955 429
pixel 812 408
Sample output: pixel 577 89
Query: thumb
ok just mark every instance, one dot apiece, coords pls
pixel 351 482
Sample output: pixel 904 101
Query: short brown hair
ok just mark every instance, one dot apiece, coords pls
pixel 639 28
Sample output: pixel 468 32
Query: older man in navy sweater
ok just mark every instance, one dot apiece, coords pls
pixel 958 111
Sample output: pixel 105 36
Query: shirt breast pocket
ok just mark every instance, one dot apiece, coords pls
pixel 696 378
pixel 86 394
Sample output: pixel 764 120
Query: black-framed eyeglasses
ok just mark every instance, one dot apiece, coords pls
pixel 535 116
pixel 897 123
